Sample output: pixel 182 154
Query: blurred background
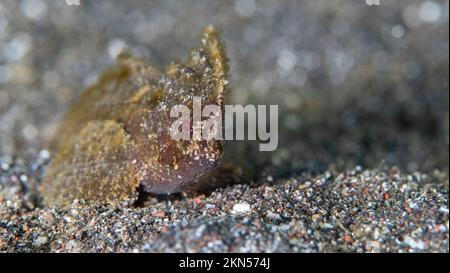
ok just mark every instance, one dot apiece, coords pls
pixel 356 84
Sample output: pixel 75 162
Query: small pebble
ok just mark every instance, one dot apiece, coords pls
pixel 240 208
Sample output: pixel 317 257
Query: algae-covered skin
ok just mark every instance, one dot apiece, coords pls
pixel 116 138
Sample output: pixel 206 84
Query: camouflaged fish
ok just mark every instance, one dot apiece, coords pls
pixel 116 138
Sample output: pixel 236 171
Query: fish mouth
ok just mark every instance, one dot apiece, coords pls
pixel 180 182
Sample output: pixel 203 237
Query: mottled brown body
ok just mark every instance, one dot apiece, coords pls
pixel 116 137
